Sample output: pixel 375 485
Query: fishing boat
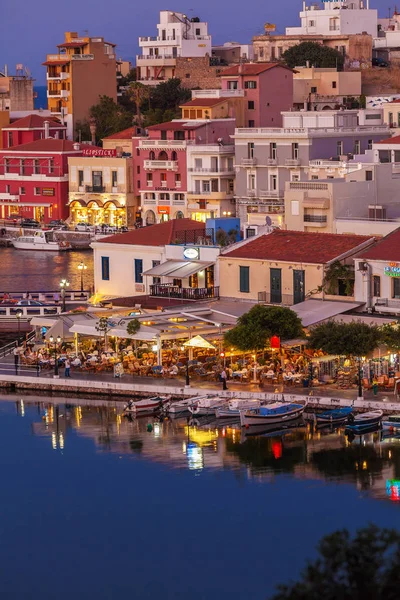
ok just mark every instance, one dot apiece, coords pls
pixel 364 420
pixel 176 408
pixel 273 430
pixel 206 405
pixel 391 422
pixel 278 412
pixel 40 240
pixel 233 408
pixel 145 405
pixel 336 415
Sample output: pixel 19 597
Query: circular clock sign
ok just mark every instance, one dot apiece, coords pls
pixel 191 253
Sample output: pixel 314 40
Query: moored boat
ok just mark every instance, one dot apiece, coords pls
pixel 182 406
pixel 206 405
pixel 391 422
pixel 364 420
pixel 40 240
pixel 145 405
pixel 234 406
pixel 335 415
pixel 278 412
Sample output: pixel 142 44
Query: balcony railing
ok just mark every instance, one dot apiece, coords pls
pixel 173 291
pixel 251 193
pixel 167 165
pixel 163 143
pixel 99 189
pixel 276 298
pixel 206 171
pixel 154 57
pixel 270 194
pixel 249 162
pixel 54 93
pixel 272 162
pixel 292 162
pixel 315 218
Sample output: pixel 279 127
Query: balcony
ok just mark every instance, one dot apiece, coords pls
pixel 270 194
pixel 173 291
pixel 83 57
pixel 147 60
pixel 316 220
pixel 249 162
pixel 165 165
pixel 387 305
pixel 163 143
pixel 54 93
pixel 57 76
pixel 194 195
pixel 216 171
pixel 293 162
pixel 64 93
pixel 251 193
pixel 217 94
pixel 96 189
pixel 272 162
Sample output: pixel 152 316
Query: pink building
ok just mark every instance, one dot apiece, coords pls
pixel 31 128
pixel 161 164
pixel 34 179
pixel 268 90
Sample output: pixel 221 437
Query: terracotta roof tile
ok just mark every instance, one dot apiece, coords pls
pixel 175 126
pixel 298 246
pixel 204 102
pixel 56 63
pixel 47 145
pixel 392 140
pixel 126 134
pixel 34 122
pixel 388 248
pixel 251 69
pixel 154 235
pixel 72 44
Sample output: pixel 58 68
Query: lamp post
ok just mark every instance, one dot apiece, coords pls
pixel 187 384
pixel 360 391
pixel 64 283
pixel 82 267
pixel 55 342
pixel 18 314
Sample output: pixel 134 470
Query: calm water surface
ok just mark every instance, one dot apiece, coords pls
pixel 26 270
pixel 96 506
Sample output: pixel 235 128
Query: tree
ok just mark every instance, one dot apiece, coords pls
pixel 169 95
pixel 365 567
pixel 133 327
pixel 110 118
pixel 390 336
pixel 103 325
pixel 344 339
pixel 259 324
pixel 316 54
pixel 138 93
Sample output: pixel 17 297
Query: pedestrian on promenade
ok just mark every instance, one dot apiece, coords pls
pixel 56 297
pixel 223 379
pixel 16 357
pixel 67 367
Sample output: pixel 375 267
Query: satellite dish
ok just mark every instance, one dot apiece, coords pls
pixel 268 220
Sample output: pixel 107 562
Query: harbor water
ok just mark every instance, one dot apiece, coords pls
pixel 95 505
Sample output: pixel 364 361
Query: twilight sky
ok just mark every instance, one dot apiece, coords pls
pixel 27 36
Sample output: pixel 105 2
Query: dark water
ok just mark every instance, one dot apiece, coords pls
pixel 95 506
pixel 26 270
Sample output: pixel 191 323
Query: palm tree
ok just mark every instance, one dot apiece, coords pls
pixel 138 93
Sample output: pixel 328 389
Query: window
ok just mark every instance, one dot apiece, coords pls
pixel 369 144
pixel 179 135
pixel 232 85
pixel 105 268
pixel 80 178
pixel 198 31
pixel 163 178
pixel 138 270
pixel 250 85
pixel 272 150
pixel 396 288
pixel 137 170
pixel 314 177
pixel 198 163
pixel 22 167
pixel 295 177
pixel 51 165
pixel 273 182
pixel 114 177
pixel 206 186
pixel 250 104
pixel 174 155
pixel 244 279
pixel 313 90
pixel 339 148
pixel 22 191
pixel 163 135
pixel 187 75
pixel 149 178
pixel 178 180
pixel 376 280
pixel 295 151
pixel 334 85
pixel 252 181
pixel 152 155
pixel 250 150
pixel 37 191
pixel 273 53
pixel 311 23
pixel 251 123
pixel 295 206
pixel 357 147
pixel 10 139
pixel 368 176
pixel 6 165
pixel 8 189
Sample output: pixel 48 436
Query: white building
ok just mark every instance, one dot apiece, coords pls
pixel 178 37
pixel 336 17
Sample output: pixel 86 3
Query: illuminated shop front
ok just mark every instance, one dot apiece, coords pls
pixel 95 212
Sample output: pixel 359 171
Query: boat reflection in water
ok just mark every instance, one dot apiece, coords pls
pixel 367 461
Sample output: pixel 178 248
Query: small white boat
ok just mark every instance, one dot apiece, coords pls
pixel 278 412
pixel 145 405
pixel 335 415
pixel 391 422
pixel 182 406
pixel 206 405
pixel 234 407
pixel 40 240
pixel 364 420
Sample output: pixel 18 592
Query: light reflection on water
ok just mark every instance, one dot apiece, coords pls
pixel 369 462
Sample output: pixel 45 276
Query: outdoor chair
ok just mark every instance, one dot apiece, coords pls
pixel 366 384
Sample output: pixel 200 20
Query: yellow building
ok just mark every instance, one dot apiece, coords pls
pixel 121 141
pixel 83 70
pixel 4 122
pixel 286 267
pixel 215 104
pixel 324 88
pixel 101 189
pixel 391 113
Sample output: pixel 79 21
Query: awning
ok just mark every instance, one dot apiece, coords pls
pixel 315 311
pixel 198 342
pixel 16 203
pixel 178 269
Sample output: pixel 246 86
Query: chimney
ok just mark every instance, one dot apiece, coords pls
pixel 240 70
pixel 46 130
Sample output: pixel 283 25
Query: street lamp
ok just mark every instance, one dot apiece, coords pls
pixel 18 314
pixel 55 342
pixel 82 267
pixel 187 368
pixel 360 390
pixel 64 283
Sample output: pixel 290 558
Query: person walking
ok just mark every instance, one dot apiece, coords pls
pixel 223 379
pixel 16 358
pixel 67 367
pixel 56 297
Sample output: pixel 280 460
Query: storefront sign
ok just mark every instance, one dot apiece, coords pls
pixel 98 152
pixel 191 253
pixel 47 191
pixel 393 270
pixel 163 210
pixel 269 27
pixel 165 189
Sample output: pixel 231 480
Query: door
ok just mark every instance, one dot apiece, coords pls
pixel 298 286
pixel 276 286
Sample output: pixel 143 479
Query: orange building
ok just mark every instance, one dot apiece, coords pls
pixel 83 70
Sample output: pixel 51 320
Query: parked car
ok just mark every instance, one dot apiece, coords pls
pixel 83 227
pixel 48 308
pixel 57 224
pixel 30 223
pixel 380 62
pixel 14 217
pixel 30 303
